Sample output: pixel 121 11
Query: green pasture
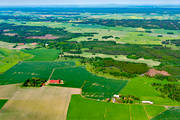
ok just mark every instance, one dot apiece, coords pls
pixel 142 88
pixel 96 110
pixel 154 110
pixel 9 58
pixel 43 54
pixel 24 70
pixel 2 102
pixel 92 85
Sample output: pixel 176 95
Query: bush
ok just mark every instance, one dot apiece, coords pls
pixel 133 57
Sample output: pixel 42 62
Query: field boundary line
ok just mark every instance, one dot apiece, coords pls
pixel 68 100
pixel 130 113
pixel 105 112
pixel 51 73
pixel 146 113
pixel 59 68
pixel 83 84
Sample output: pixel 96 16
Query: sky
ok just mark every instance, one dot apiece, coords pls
pixel 76 2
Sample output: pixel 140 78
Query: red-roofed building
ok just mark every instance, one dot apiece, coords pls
pixel 20 43
pixel 54 81
pixel 34 43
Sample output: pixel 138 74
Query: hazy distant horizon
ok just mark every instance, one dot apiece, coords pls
pixel 87 2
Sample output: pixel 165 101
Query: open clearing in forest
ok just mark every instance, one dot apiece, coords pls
pixel 149 62
pixel 45 103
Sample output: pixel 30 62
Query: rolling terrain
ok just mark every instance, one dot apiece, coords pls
pixel 89 63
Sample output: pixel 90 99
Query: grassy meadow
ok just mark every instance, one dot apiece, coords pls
pixel 142 88
pixel 9 58
pixel 43 54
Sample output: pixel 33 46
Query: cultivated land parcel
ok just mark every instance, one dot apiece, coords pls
pixel 38 103
pixel 98 54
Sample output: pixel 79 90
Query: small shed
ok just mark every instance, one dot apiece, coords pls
pixel 148 102
pixel 116 96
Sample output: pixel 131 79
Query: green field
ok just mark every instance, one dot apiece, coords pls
pixel 171 114
pixel 92 85
pixel 43 54
pixel 94 110
pixel 9 58
pixel 2 102
pixel 142 88
pixel 77 77
pixel 24 70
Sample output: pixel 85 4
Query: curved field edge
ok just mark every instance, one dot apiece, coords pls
pixel 173 113
pixel 9 58
pixel 96 110
pixel 2 102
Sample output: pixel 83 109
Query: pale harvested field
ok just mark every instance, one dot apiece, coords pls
pixel 7 91
pixel 46 103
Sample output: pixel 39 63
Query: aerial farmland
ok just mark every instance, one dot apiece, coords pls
pixel 89 63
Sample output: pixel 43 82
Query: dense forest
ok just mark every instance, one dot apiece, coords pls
pixel 24 34
pixel 147 24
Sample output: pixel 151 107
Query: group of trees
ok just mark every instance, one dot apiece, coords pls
pixel 116 68
pixel 166 56
pixel 169 90
pixel 166 78
pixel 175 42
pixel 156 52
pixel 24 33
pixel 127 99
pixel 34 82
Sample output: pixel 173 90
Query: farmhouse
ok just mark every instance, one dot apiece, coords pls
pixel 34 43
pixel 116 96
pixel 55 82
pixel 20 43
